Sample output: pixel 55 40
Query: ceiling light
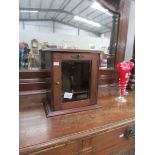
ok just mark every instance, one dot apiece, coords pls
pixel 98 6
pixel 87 21
pixel 108 13
pixel 31 11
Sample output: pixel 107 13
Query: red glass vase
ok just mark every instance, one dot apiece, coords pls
pixel 124 69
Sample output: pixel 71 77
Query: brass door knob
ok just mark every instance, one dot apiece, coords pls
pixel 57 82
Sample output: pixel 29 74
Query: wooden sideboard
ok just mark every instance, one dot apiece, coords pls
pixel 94 132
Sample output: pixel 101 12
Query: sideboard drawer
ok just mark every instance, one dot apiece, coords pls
pixel 64 149
pixel 112 141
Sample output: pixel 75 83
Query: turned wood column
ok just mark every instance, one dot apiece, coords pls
pixel 113 42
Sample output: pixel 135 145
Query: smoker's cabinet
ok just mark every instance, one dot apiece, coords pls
pixel 74 80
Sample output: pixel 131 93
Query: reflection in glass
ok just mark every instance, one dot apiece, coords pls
pixel 93 28
pixel 108 54
pixel 76 76
pixel 23 56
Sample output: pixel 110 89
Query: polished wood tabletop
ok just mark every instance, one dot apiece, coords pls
pixel 37 130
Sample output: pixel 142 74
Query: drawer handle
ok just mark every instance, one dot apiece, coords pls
pixel 130 132
pixel 77 56
pixel 121 136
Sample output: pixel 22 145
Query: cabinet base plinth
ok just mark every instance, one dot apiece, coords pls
pixel 50 113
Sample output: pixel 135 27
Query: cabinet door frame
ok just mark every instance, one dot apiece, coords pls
pixel 57 58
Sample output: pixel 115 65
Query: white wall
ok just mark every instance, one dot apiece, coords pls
pixel 43 32
pixel 131 33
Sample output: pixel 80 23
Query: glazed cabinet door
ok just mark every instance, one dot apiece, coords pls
pixel 75 79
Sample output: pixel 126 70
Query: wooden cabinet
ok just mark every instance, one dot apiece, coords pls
pixel 74 80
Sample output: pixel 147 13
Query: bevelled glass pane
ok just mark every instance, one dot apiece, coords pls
pixel 76 77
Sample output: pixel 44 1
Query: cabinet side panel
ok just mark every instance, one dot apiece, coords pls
pixel 94 78
pixel 46 63
pixel 56 80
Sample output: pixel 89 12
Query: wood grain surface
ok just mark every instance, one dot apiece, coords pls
pixel 38 132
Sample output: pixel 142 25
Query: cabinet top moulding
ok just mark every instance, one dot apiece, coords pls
pixel 70 50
